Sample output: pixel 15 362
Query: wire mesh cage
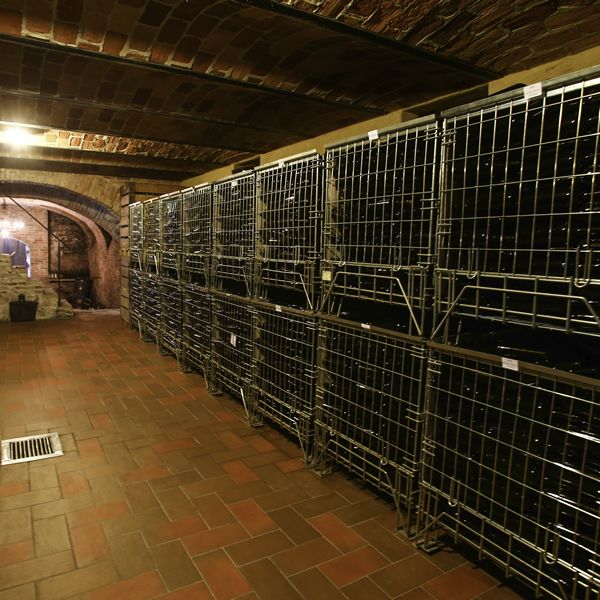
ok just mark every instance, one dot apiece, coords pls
pixel 136 235
pixel 196 329
pixel 197 214
pixel 369 410
pixel 284 371
pixel 169 340
pixel 150 306
pixel 136 299
pixel 233 232
pixel 511 466
pixel 288 225
pixel 170 240
pixel 231 345
pixel 151 240
pixel 519 228
pixel 380 217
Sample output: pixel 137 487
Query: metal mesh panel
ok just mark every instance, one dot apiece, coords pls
pixel 197 212
pixel 151 305
pixel 379 216
pixel 521 211
pixel 284 370
pixel 231 344
pixel 151 241
pixel 233 228
pixel 512 466
pixel 136 299
pixel 170 207
pixel 136 235
pixel 170 316
pixel 288 223
pixel 196 326
pixel 369 405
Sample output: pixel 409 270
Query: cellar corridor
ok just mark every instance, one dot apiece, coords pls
pixel 164 491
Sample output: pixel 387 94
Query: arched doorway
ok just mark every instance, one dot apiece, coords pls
pixel 20 255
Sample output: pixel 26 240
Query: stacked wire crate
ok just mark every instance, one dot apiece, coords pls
pixel 377 275
pixel 288 251
pixel 511 463
pixel 197 252
pixel 233 218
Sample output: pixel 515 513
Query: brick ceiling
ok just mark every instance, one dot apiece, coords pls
pixel 166 89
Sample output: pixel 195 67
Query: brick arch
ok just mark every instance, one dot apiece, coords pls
pixel 99 213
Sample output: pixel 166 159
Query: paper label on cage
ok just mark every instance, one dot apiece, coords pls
pixel 510 363
pixel 282 163
pixel 326 275
pixel 365 326
pixel 533 90
pixel 373 135
pixel 233 339
pixel 277 308
pixel 234 184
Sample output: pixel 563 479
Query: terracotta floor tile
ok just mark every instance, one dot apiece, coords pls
pixel 22 592
pixel 90 448
pixel 338 533
pixel 319 505
pixel 176 504
pixel 51 535
pixel 416 594
pixel 281 498
pixel 259 547
pixel 77 582
pixel 142 587
pixel 393 546
pixel 463 583
pixel 173 445
pixel 405 575
pixel 130 554
pixel 364 589
pixel 346 569
pixel 14 487
pixel 260 444
pixel 314 585
pixel 172 530
pixel 144 474
pixel 252 517
pixel 290 465
pixel 17 552
pixel 268 582
pixel 101 421
pixel 224 579
pixel 174 565
pixel 196 591
pixel 240 472
pixel 293 525
pixel 97 513
pixel 204 541
pixel 73 483
pixel 303 557
pixel 213 510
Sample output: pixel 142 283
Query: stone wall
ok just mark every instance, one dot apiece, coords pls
pixel 14 281
pixel 74 250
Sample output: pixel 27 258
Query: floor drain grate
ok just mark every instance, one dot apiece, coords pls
pixel 34 447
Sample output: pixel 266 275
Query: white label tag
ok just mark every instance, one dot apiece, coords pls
pixel 233 339
pixel 234 184
pixel 277 308
pixel 282 163
pixel 326 275
pixel 365 326
pixel 373 134
pixel 533 90
pixel 510 363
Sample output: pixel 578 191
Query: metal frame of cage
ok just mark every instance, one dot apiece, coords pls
pixel 171 317
pixel 518 236
pixel 289 211
pixel 196 328
pixel 231 345
pixel 150 306
pixel 369 408
pixel 151 241
pixel 170 240
pixel 136 300
pixel 379 223
pixel 511 466
pixel 233 239
pixel 284 371
pixel 197 232
pixel 136 235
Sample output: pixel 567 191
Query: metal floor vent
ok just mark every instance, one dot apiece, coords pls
pixel 34 447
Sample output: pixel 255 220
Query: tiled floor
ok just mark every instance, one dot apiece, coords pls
pixel 165 492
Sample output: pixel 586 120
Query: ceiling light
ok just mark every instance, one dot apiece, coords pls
pixel 17 136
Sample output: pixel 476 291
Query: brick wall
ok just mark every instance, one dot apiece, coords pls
pixel 74 251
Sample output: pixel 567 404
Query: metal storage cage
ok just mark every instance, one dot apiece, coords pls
pixel 197 211
pixel 196 328
pixel 233 232
pixel 136 235
pixel 511 466
pixel 231 345
pixel 151 239
pixel 170 240
pixel 519 227
pixel 169 339
pixel 380 211
pixel 284 371
pixel 369 413
pixel 150 306
pixel 288 225
pixel 136 299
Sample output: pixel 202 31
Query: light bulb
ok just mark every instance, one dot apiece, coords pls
pixel 17 136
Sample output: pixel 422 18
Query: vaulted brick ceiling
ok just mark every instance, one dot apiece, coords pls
pixel 166 89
